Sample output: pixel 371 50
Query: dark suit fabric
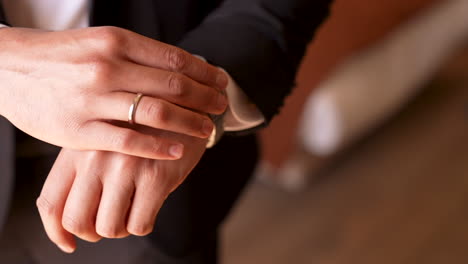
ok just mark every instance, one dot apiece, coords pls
pixel 2 16
pixel 260 43
pixel 6 167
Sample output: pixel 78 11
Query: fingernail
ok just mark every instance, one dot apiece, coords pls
pixel 222 80
pixel 207 128
pixel 176 150
pixel 222 102
pixel 66 249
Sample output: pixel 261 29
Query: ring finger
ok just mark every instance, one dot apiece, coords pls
pixel 155 113
pixel 171 86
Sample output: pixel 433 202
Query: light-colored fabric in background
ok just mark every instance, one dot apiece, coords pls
pixel 47 14
pixel 368 88
pixel 374 83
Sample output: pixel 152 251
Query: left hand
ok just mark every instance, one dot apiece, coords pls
pixel 72 88
pixel 96 194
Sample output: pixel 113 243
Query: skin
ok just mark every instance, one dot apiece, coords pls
pixel 96 194
pixel 64 87
pixel 73 89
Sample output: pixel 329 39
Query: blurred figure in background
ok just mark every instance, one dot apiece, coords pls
pixel 368 87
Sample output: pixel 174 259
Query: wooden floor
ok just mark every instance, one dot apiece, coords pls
pixel 400 196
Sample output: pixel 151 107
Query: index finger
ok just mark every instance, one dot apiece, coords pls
pixel 153 53
pixel 51 203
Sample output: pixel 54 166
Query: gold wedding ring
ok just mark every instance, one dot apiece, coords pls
pixel 133 108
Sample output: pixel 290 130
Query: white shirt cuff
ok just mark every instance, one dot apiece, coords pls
pixel 241 114
pixel 2 25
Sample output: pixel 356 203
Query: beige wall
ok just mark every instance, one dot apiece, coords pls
pixel 352 25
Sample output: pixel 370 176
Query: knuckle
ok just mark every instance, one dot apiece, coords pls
pixel 194 124
pixel 77 121
pixel 108 231
pixel 213 98
pixel 109 39
pixel 199 121
pixel 176 59
pixel 122 140
pixel 158 112
pixel 102 70
pixel 140 229
pixel 149 177
pixel 45 207
pixel 126 166
pixel 159 148
pixel 176 84
pixel 124 183
pixel 74 226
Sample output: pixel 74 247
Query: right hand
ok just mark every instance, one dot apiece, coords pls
pixel 72 88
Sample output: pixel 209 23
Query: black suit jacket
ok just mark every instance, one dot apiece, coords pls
pixel 259 42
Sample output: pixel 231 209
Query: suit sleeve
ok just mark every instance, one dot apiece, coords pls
pixel 260 43
pixel 2 16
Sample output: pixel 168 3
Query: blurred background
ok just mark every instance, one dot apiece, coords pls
pixel 368 162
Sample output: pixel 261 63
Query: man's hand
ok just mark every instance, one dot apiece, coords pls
pixel 95 194
pixel 64 88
